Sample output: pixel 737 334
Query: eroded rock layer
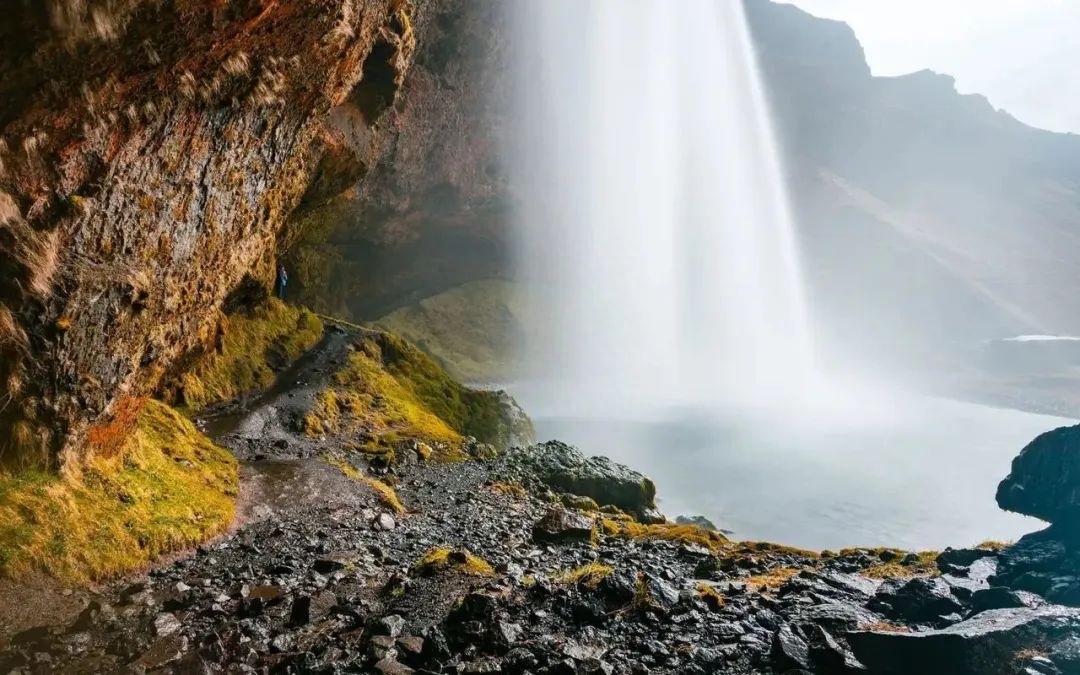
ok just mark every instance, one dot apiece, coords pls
pixel 150 154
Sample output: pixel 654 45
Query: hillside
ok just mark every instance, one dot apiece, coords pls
pixel 922 209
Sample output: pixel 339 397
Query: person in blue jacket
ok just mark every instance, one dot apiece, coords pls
pixel 282 281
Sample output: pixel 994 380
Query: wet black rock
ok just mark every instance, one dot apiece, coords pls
pixel 1046 563
pixel 561 525
pixel 1045 479
pixel 565 469
pixel 985 644
pixel 919 600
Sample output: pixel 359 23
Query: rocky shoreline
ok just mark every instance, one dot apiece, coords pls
pixel 543 560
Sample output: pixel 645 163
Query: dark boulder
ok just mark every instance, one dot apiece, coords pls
pixel 919 600
pixel 985 644
pixel 1045 478
pixel 565 469
pixel 1046 563
pixel 561 525
pixel 999 597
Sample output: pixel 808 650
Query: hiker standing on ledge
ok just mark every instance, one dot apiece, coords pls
pixel 282 280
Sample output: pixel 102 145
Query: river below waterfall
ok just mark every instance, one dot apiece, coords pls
pixel 922 477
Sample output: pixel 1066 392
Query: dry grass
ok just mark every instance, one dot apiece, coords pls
pixel 589 575
pixel 771 580
pixel 710 595
pixel 443 559
pixel 689 534
pixel 994 545
pixel 886 627
pixel 926 565
pixel 167 487
pixel 107 437
pixel 272 333
pixel 511 488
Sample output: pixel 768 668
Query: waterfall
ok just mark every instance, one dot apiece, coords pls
pixel 656 235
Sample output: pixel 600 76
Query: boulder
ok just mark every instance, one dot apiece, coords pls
pixel 1046 563
pixel 918 600
pixel 984 644
pixel 561 525
pixel 1045 479
pixel 564 468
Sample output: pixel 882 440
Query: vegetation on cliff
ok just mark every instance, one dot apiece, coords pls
pixel 390 391
pixel 250 348
pixel 164 488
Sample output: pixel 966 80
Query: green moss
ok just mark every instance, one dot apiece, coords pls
pixel 389 391
pixel 166 488
pixel 253 346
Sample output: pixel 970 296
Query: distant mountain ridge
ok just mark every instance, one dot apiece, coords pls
pixel 930 220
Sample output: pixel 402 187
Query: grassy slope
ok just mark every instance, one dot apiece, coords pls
pixel 251 344
pixel 390 390
pixel 472 330
pixel 167 487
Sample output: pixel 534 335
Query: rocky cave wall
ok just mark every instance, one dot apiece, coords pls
pixel 150 153
pixel 432 209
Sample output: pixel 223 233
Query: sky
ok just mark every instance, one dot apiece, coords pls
pixel 1024 55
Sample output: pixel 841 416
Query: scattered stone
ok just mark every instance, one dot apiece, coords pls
pixel 982 645
pixel 166 624
pixel 561 526
pixel 565 469
pixel 308 608
pixel 390 625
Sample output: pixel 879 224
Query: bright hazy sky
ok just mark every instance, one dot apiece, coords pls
pixel 1024 55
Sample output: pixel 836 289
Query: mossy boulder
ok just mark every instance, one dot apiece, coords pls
pixel 564 468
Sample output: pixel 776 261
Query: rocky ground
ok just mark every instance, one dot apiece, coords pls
pixel 528 563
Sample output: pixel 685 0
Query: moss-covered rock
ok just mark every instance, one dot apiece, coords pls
pixel 389 393
pixel 564 468
pixel 252 346
pixel 165 487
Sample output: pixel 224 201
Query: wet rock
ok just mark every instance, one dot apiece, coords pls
pixel 308 608
pixel 389 666
pixel 917 600
pixel 790 651
pixel 163 652
pixel 982 645
pixel 656 594
pixel 698 521
pixel 565 469
pixel 390 625
pixel 560 525
pixel 1046 563
pixel 957 560
pixel 329 565
pixel 1066 654
pixel 1045 479
pixel 999 597
pixel 166 624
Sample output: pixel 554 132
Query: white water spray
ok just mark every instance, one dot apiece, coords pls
pixel 654 216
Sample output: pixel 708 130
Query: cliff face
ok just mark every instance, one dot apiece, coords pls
pixel 432 212
pixel 151 153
